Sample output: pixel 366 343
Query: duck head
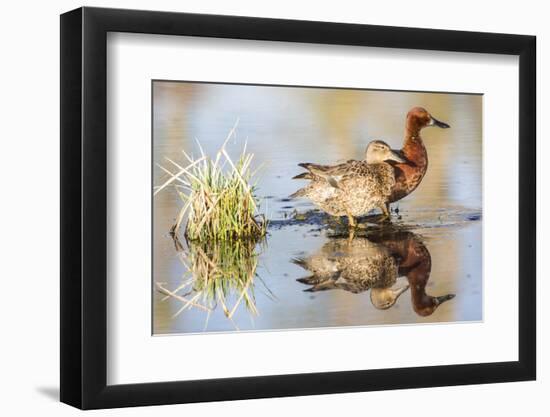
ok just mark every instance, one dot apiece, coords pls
pixel 379 151
pixel 425 305
pixel 418 118
pixel 384 298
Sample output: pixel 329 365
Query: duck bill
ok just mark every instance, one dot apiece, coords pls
pixel 394 156
pixel 439 123
pixel 398 291
pixel 443 298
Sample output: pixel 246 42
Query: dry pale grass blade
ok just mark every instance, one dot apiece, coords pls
pixel 221 299
pixel 187 156
pixel 182 257
pixel 171 175
pixel 211 263
pixel 178 289
pixel 189 304
pixel 243 153
pixel 241 296
pixel 200 147
pixel 180 173
pixel 180 168
pixel 257 170
pixel 206 321
pixel 227 139
pixel 235 170
pixel 231 133
pixel 181 215
pixel 165 291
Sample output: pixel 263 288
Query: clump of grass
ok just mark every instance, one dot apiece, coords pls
pixel 218 195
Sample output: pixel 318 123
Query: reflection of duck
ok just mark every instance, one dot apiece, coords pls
pixel 354 187
pixel 409 174
pixel 415 263
pixel 375 263
pixel 355 266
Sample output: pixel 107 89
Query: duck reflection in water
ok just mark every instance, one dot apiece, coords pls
pixel 374 263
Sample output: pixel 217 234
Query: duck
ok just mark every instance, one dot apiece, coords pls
pixel 415 264
pixel 354 266
pixel 353 188
pixel 377 262
pixel 410 172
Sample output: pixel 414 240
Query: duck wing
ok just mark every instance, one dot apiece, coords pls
pixel 333 174
pixel 304 176
pixel 373 179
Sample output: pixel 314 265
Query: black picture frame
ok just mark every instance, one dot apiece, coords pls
pixel 84 207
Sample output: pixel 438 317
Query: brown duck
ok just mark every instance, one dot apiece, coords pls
pixel 409 174
pixel 415 263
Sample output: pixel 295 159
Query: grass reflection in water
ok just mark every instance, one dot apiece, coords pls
pixel 219 274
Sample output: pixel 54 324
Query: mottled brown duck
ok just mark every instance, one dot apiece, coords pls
pixel 352 188
pixel 355 266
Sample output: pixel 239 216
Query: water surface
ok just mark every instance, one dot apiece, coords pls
pixel 439 225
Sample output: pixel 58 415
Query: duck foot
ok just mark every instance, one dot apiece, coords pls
pixel 386 217
pixel 384 220
pixel 352 223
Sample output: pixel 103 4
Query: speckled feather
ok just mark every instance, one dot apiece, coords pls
pixel 355 268
pixel 353 187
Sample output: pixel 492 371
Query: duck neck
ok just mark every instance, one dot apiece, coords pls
pixel 414 149
pixel 409 174
pixel 412 130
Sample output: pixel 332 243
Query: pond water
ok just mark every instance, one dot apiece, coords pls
pixel 435 239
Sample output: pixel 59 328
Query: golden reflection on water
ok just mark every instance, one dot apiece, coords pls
pixel 285 126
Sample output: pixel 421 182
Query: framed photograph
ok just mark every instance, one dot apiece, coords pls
pixel 258 208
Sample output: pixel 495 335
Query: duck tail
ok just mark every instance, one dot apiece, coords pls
pixel 311 280
pixel 328 284
pixel 305 165
pixel 304 176
pixel 300 262
pixel 312 167
pixel 317 170
pixel 302 192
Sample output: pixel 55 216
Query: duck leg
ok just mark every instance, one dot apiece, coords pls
pixel 354 226
pixel 351 235
pixel 385 212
